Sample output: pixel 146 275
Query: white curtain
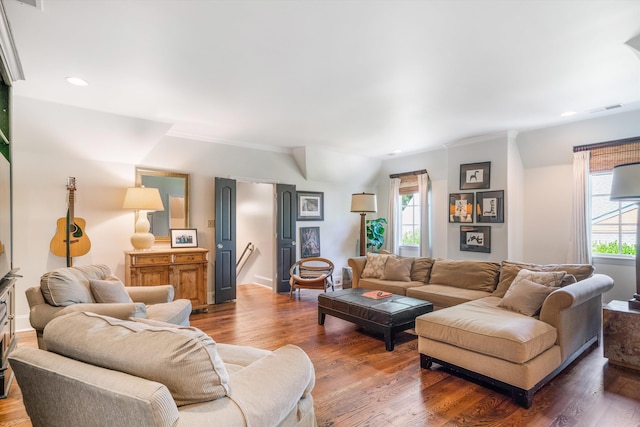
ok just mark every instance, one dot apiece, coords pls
pixel 580 245
pixel 394 222
pixel 424 184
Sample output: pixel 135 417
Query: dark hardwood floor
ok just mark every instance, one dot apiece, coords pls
pixel 358 383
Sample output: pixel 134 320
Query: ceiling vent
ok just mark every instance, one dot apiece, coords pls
pixel 35 3
pixel 607 108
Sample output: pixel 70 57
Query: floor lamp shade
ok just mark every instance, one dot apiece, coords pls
pixel 625 186
pixel 363 203
pixel 142 200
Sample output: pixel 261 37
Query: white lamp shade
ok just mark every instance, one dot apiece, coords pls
pixel 625 184
pixel 143 198
pixel 363 202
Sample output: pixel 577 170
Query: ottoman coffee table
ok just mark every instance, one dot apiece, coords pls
pixel 387 315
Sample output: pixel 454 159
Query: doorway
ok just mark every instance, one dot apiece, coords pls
pixel 255 231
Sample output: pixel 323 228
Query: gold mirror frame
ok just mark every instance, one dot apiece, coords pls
pixel 141 173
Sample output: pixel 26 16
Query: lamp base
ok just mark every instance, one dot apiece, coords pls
pixel 634 303
pixel 142 241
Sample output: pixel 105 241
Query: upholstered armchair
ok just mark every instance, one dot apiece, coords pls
pixel 94 289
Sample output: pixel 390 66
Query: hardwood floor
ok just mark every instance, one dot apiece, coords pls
pixel 358 383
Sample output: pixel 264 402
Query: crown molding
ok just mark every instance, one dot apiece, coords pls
pixel 11 69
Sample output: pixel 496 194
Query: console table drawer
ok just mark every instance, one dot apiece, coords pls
pixel 189 258
pixel 151 259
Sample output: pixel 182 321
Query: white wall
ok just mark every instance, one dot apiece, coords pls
pixel 51 142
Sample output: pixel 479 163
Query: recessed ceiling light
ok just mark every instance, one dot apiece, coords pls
pixel 77 81
pixel 568 114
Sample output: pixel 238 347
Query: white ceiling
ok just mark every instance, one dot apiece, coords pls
pixel 365 77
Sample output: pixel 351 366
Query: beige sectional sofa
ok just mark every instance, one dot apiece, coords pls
pixel 513 325
pixel 102 371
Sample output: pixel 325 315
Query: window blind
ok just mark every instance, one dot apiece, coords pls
pixel 605 155
pixel 408 181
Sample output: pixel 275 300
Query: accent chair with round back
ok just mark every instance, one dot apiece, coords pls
pixel 311 273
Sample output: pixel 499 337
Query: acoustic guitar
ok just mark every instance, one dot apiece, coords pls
pixel 70 239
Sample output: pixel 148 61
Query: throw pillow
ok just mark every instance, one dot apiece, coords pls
pixel 374 268
pixel 109 291
pixel 545 278
pixel 510 270
pixel 525 297
pixel 398 269
pixel 184 359
pixel 62 287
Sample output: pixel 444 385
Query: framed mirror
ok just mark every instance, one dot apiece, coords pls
pixel 174 191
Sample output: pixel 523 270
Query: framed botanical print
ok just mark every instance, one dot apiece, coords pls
pixel 310 239
pixel 461 207
pixel 490 206
pixel 475 176
pixel 310 206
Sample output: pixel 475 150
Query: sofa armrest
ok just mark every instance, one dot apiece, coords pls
pixel 576 312
pixel 151 294
pixel 357 265
pixel 54 387
pixel 289 376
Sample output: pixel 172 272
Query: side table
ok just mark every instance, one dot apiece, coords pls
pixel 621 334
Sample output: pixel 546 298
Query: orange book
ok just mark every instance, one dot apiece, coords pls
pixel 377 294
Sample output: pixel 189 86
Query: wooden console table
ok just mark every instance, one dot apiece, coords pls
pixel 185 269
pixel 621 334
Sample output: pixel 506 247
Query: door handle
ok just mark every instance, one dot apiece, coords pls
pixel 219 246
pixel 293 243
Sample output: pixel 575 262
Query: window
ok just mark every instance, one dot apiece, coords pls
pixel 613 224
pixel 410 227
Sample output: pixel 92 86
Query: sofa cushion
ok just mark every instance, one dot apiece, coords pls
pixel 393 286
pixel 445 296
pixel 109 291
pixel 70 285
pixel 398 269
pixel 525 297
pixel 184 359
pixel 421 269
pixel 375 265
pixel 510 269
pixel 475 275
pixel 482 327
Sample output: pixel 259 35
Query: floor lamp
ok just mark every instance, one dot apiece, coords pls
pixel 143 200
pixel 625 186
pixel 363 203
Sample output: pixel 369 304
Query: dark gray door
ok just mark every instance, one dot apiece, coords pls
pixel 225 245
pixel 286 233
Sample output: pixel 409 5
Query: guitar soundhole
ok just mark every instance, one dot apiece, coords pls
pixel 75 230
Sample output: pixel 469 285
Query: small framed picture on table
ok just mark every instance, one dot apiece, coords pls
pixel 184 238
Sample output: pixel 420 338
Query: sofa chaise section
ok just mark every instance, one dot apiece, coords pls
pixel 511 350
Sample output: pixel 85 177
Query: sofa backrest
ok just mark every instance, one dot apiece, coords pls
pixel 70 285
pixel 473 275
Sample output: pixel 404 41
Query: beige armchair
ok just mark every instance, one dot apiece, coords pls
pixel 94 289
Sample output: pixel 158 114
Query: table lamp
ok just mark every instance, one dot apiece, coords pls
pixel 625 186
pixel 363 203
pixel 143 200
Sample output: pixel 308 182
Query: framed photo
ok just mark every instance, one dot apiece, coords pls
pixel 310 242
pixel 475 238
pixel 475 176
pixel 490 206
pixel 461 207
pixel 184 238
pixel 310 206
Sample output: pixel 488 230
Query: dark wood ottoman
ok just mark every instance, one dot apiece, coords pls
pixel 386 315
